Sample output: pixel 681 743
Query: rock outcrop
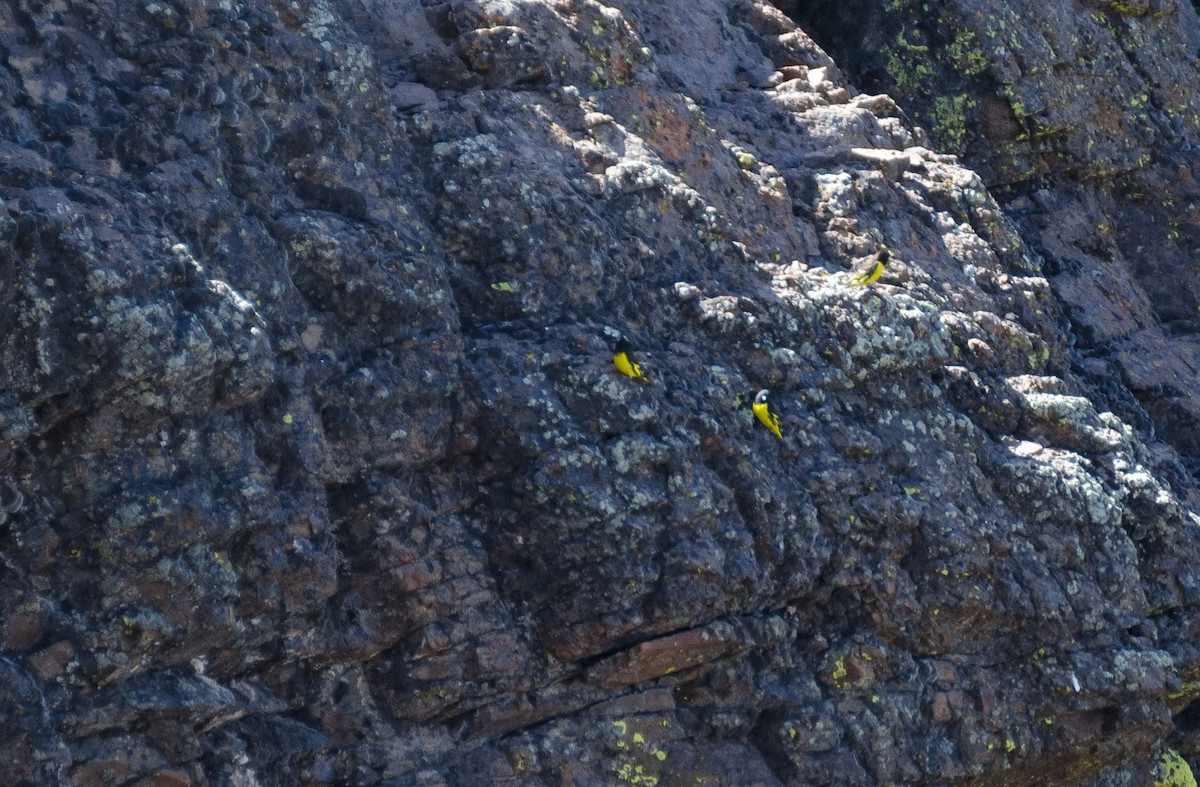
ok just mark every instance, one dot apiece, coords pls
pixel 315 468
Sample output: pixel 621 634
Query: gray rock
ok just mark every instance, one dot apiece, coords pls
pixel 315 466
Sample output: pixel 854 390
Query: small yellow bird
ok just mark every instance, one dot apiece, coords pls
pixel 764 414
pixel 871 269
pixel 626 363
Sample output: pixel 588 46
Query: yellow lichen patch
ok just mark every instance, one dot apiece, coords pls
pixel 1173 771
pixel 950 120
pixel 638 756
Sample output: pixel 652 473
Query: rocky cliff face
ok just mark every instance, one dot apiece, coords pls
pixel 314 465
pixel 1082 120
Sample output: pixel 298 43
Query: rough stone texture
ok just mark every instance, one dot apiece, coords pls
pixel 1083 119
pixel 314 467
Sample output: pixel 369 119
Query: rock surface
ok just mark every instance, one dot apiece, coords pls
pixel 314 466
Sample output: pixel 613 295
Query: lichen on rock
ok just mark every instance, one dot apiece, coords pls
pixel 315 466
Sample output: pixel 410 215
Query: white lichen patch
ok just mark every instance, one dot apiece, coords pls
pixel 627 453
pixel 836 193
pixel 470 152
pixel 1057 485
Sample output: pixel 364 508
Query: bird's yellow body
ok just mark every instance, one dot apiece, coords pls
pixel 626 364
pixel 870 270
pixel 762 411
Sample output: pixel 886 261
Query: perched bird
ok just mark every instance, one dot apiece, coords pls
pixel 763 412
pixel 626 363
pixel 870 269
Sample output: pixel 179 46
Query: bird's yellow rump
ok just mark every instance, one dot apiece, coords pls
pixel 762 411
pixel 625 362
pixel 871 269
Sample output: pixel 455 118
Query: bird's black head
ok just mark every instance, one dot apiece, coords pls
pixel 883 255
pixel 762 397
pixel 622 346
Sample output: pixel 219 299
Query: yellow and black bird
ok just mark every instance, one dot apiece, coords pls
pixel 626 363
pixel 762 411
pixel 871 269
